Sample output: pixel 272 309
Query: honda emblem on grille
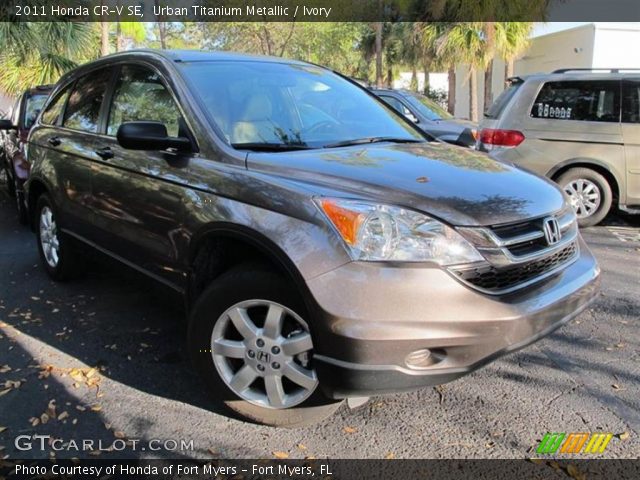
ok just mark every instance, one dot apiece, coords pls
pixel 551 230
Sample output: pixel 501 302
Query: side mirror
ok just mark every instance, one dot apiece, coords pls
pixel 412 117
pixel 149 136
pixel 6 124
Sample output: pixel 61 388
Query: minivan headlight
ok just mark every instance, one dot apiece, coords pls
pixel 376 232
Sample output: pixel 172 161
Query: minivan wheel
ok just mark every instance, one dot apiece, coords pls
pixel 589 193
pixel 249 340
pixel 56 250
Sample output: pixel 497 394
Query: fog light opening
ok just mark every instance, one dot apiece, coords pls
pixel 424 358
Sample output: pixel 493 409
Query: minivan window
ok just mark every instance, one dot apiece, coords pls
pixel 591 101
pixel 273 103
pixel 34 106
pixel 140 95
pixel 631 101
pixel 500 103
pixel 52 113
pixel 83 107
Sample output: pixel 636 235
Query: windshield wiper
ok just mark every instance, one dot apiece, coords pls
pixel 270 147
pixel 368 140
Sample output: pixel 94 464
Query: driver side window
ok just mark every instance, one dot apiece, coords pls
pixel 140 95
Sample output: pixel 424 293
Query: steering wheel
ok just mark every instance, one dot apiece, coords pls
pixel 324 126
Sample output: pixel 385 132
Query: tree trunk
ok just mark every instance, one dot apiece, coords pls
pixel 451 97
pixel 162 29
pixel 104 38
pixel 425 69
pixel 379 79
pixel 508 69
pixel 389 75
pixel 413 86
pixel 473 95
pixel 488 86
pixel 119 38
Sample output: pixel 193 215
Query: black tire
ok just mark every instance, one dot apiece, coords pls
pixel 604 190
pixel 23 213
pixel 242 283
pixel 68 265
pixel 11 188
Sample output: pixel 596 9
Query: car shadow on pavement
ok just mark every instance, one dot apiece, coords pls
pixel 112 318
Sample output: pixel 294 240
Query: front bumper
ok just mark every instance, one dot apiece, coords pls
pixel 372 317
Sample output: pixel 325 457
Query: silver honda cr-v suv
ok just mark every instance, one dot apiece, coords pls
pixel 580 128
pixel 325 249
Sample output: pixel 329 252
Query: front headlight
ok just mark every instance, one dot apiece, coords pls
pixel 374 232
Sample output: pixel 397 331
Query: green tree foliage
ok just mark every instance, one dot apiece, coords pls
pixel 35 53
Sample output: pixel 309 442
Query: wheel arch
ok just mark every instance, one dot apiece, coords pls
pixel 36 187
pixel 593 164
pixel 222 245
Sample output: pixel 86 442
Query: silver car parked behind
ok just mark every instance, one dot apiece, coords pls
pixel 580 128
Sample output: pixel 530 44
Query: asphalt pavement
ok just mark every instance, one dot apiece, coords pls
pixel 102 360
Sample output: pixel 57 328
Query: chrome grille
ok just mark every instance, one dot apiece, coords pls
pixel 518 254
pixel 493 280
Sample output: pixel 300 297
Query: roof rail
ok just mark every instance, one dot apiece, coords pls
pixel 610 70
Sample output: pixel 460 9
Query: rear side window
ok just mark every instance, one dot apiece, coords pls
pixel 500 103
pixel 83 108
pixel 631 101
pixel 33 109
pixel 589 101
pixel 54 109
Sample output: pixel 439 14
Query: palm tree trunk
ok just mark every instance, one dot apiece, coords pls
pixel 488 87
pixel 425 69
pixel 451 96
pixel 473 95
pixel 508 69
pixel 389 75
pixel 379 79
pixel 413 86
pixel 104 38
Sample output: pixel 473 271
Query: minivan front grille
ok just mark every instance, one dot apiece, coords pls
pixel 519 254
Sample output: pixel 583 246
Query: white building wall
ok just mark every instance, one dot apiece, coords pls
pixel 617 46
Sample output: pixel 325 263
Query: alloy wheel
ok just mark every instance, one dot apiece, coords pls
pixel 49 237
pixel 584 196
pixel 262 351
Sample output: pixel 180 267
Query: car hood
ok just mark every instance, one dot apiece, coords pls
pixel 455 184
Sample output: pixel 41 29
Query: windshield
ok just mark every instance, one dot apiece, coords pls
pixel 496 109
pixel 278 104
pixel 428 108
pixel 34 105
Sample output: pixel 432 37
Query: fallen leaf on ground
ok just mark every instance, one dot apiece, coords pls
pixel 389 456
pixel 301 446
pixel 213 452
pixel 96 408
pixel 281 455
pixel 62 416
pixel 119 434
pixel 349 430
pixel 2 429
pixel 5 368
pixel 44 418
pixel 5 391
pixel 624 436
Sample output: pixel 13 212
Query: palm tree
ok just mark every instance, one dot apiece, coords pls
pixel 35 53
pixel 513 40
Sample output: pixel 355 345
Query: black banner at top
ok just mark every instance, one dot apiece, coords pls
pixel 319 10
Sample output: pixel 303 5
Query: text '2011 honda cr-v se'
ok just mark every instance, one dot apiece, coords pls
pixel 325 248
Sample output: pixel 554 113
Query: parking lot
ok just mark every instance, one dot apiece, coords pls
pixel 102 359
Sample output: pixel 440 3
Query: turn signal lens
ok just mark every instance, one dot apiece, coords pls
pixel 346 221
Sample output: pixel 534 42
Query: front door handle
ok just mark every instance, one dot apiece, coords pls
pixel 54 141
pixel 105 153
